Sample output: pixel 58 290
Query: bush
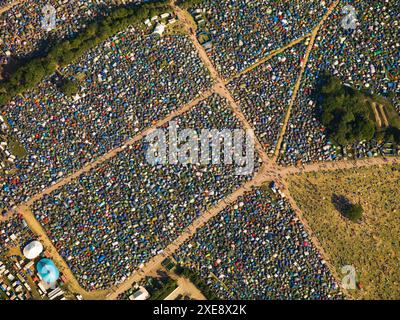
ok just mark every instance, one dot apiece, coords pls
pixel 4 98
pixel 354 212
pixel 69 88
pixel 164 290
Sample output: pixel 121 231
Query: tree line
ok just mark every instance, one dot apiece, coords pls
pixel 31 73
pixel 189 3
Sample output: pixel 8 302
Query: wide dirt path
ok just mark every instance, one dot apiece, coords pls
pixel 297 86
pixel 338 165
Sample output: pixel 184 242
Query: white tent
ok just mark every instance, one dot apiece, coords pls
pixel 141 294
pixel 160 28
pixel 33 250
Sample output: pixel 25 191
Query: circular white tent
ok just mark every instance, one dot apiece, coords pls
pixel 33 250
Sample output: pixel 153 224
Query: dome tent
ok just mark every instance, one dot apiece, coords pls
pixel 48 271
pixel 33 250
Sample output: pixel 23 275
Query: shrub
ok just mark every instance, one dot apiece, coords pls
pixel 354 212
pixel 69 88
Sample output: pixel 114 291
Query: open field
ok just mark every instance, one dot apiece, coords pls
pixel 17 149
pixel 371 246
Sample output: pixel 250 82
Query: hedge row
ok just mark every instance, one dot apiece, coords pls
pixel 189 3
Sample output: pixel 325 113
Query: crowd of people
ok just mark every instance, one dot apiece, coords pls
pixel 243 32
pixel 116 217
pixel 258 249
pixel 264 94
pixel 366 58
pixel 125 84
pixel 21 30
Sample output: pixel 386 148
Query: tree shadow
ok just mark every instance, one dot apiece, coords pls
pixel 341 203
pixel 162 275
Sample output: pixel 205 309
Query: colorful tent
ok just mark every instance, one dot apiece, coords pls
pixel 48 271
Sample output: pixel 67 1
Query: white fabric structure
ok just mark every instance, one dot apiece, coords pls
pixel 160 28
pixel 33 250
pixel 141 294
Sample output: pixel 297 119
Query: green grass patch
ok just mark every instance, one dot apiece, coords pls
pixel 17 149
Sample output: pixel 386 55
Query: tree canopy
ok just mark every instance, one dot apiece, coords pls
pixel 347 114
pixel 354 212
pixel 189 3
pixel 69 87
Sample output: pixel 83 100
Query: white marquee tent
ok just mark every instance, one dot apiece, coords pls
pixel 33 250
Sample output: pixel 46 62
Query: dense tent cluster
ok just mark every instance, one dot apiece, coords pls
pixel 14 232
pixel 366 58
pixel 129 82
pixel 79 102
pixel 29 74
pixel 258 249
pixel 243 32
pixel 119 215
pixel 264 94
pixel 22 33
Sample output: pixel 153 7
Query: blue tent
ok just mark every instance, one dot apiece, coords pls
pixel 48 271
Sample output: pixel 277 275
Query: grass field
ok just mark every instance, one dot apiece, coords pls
pixel 17 149
pixel 371 246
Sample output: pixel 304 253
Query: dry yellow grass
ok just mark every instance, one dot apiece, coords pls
pixel 372 246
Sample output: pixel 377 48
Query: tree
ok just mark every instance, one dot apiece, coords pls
pixel 345 113
pixel 333 86
pixel 393 135
pixel 354 212
pixel 49 64
pixel 4 98
pixel 69 88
